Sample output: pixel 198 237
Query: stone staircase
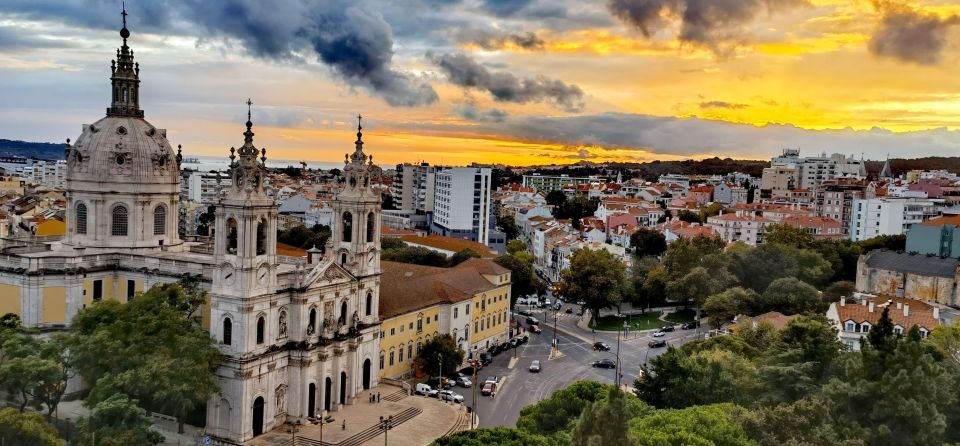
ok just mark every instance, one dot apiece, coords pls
pixel 371 432
pixel 395 396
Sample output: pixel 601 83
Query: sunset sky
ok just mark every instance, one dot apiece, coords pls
pixel 510 81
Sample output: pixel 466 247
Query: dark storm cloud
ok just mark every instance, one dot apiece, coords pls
pixel 493 40
pixel 718 25
pixel 721 104
pixel 464 71
pixel 505 7
pixel 347 36
pixel 471 112
pixel 18 39
pixel 910 35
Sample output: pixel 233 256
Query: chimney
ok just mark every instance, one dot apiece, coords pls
pixel 843 301
pixel 906 310
pixel 936 313
pixel 870 306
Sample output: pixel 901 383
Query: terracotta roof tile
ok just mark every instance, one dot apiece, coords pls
pixel 406 287
pixel 919 314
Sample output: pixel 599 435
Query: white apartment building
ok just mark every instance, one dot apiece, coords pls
pixel 548 183
pixel 811 171
pixel 47 173
pixel 742 226
pixel 202 186
pixel 888 216
pixel 413 187
pixel 462 205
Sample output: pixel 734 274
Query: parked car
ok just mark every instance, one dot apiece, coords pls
pixel 659 333
pixel 463 381
pixel 569 310
pixel 605 364
pixel 601 347
pixel 535 366
pixel 690 325
pixel 492 379
pixel 657 343
pixel 581 303
pixel 525 339
pixel 547 303
pixel 668 327
pixel 486 358
pixel 449 395
pixel 425 390
pixel 535 329
pixel 532 320
pixel 557 306
pixel 489 389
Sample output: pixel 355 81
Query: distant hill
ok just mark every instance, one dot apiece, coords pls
pixel 901 166
pixel 36 150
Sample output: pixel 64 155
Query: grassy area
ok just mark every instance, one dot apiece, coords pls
pixel 681 316
pixel 647 321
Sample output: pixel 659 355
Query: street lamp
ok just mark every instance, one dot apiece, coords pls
pixel 440 377
pixel 475 364
pixel 616 379
pixel 385 425
pixel 321 421
pixel 293 432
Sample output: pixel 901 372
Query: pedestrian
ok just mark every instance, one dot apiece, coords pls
pixel 378 397
pixel 344 424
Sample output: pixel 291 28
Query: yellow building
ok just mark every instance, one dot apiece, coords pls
pixel 62 296
pixel 469 301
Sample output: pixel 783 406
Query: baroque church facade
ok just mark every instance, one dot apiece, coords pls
pixel 299 337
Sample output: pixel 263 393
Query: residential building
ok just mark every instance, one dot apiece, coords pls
pixel 938 236
pixel 809 172
pixel 854 320
pixel 729 193
pixel 740 227
pixel 834 199
pixel 821 228
pixel 701 195
pixel 413 187
pixel 776 180
pixel 462 205
pixel 203 187
pixel 549 183
pixel 888 216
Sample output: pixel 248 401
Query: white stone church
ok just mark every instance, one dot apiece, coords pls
pixel 299 337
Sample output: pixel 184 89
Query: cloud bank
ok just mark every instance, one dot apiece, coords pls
pixel 910 35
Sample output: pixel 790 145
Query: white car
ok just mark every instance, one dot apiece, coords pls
pixel 425 390
pixel 448 395
pixel 659 334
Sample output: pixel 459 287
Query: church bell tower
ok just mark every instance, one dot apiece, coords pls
pixel 355 242
pixel 245 248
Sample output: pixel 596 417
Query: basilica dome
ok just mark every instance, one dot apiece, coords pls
pixel 123 177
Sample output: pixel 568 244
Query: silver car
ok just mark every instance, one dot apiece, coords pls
pixel 447 395
pixel 535 366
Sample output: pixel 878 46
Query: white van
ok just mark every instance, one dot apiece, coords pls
pixel 425 390
pixel 528 300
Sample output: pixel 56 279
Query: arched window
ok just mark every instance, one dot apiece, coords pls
pixel 381 359
pixel 400 359
pixel 227 331
pixel 371 227
pixel 410 349
pixel 261 237
pixel 391 355
pixel 347 227
pixel 343 259
pixel 231 236
pixel 116 94
pixel 312 324
pixel 119 221
pixel 160 220
pixel 81 213
pixel 343 312
pixel 261 329
pixel 124 90
pixel 369 304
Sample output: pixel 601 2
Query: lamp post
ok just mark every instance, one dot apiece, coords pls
pixel 315 419
pixel 440 372
pixel 385 425
pixel 475 364
pixel 293 432
pixel 556 343
pixel 616 379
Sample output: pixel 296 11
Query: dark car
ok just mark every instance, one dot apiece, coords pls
pixel 657 343
pixel 601 347
pixel 532 320
pixel 569 310
pixel 690 325
pixel 486 358
pixel 605 364
pixel 670 327
pixel 525 339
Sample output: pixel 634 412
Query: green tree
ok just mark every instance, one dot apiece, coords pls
pixel 723 306
pixel 889 242
pixel 304 237
pixel 710 211
pixel 18 428
pixel 836 290
pixel 415 254
pixel 595 277
pixel 687 377
pixel 118 421
pixel 439 351
pixel 557 413
pixel 688 216
pixel 391 243
pixel 645 291
pixel 800 359
pixel 10 321
pixel 462 256
pixel 604 422
pixel 790 296
pixel 157 352
pixel 556 198
pixel 808 421
pixel 508 225
pixel 522 280
pixel 516 246
pixel 500 436
pixel 711 425
pixel 787 235
pixel 647 242
pixel 756 268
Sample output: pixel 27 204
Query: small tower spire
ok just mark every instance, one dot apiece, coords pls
pixel 248 135
pixel 125 78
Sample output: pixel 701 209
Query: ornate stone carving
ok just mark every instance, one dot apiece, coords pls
pixel 283 324
pixel 281 393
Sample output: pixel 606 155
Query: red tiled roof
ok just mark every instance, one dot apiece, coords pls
pixel 946 220
pixel 919 314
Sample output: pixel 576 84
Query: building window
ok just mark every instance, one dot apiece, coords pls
pixel 312 322
pixel 865 327
pixel 466 309
pixel 227 331
pixel 131 288
pixel 160 220
pixel 369 304
pixel 419 323
pixel 391 357
pixel 381 359
pixel 119 221
pixel 231 236
pixel 371 227
pixel 97 290
pixel 475 325
pixel 347 227
pixel 410 349
pixel 343 312
pixel 261 237
pixel 261 328
pixel 455 312
pixel 400 357
pixel 81 212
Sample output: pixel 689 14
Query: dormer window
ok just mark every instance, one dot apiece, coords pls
pixel 850 326
pixel 865 327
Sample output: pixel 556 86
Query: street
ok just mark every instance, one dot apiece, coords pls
pixel 519 387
